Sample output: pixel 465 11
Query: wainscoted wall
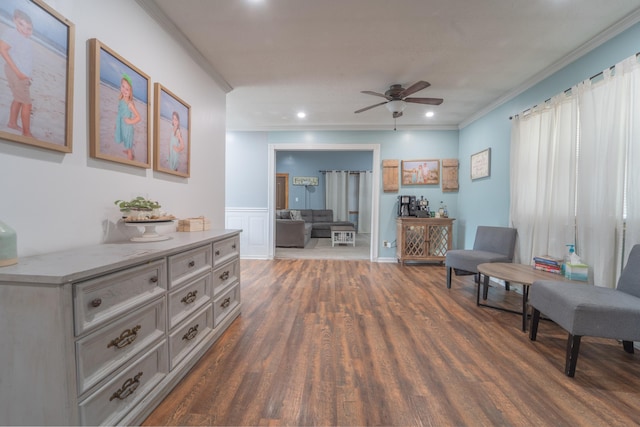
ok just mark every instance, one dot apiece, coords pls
pixel 254 223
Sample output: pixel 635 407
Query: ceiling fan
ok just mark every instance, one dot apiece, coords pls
pixel 397 97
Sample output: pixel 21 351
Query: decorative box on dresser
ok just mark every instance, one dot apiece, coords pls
pixel 101 334
pixel 423 239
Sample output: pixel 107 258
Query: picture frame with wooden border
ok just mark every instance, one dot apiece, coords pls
pixel 420 172
pixel 172 133
pixel 45 77
pixel 119 110
pixel 481 164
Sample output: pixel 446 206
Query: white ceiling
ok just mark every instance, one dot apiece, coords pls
pixel 283 56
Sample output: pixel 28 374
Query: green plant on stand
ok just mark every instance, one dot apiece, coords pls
pixel 137 207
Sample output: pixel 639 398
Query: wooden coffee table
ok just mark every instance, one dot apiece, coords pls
pixel 514 273
pixel 343 234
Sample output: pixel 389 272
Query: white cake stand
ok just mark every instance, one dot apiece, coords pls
pixel 150 234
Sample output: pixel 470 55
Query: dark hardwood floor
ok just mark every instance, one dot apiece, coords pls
pixel 353 343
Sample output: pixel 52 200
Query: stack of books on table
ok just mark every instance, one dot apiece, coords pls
pixel 548 263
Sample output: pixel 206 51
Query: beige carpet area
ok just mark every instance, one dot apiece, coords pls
pixel 320 248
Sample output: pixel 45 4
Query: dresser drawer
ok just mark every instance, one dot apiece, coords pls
pixel 187 299
pixel 226 249
pixel 224 304
pixel 99 300
pixel 224 275
pixel 188 265
pixel 103 351
pixel 113 401
pixel 188 335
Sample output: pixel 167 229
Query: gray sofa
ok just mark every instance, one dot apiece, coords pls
pixel 294 233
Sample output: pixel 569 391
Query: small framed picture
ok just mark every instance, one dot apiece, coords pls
pixel 481 164
pixel 420 172
pixel 36 98
pixel 119 108
pixel 172 133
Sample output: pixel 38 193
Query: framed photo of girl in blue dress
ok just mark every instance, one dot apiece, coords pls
pixel 119 108
pixel 172 133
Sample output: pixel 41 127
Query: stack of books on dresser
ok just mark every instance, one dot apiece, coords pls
pixel 548 263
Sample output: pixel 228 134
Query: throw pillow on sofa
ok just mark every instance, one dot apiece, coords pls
pixel 296 215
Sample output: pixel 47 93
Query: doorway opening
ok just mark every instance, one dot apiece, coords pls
pixel 272 186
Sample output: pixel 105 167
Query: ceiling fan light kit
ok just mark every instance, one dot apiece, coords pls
pixel 396 106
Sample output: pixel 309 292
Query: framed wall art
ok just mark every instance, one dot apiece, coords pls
pixel 481 164
pixel 172 133
pixel 420 172
pixel 119 108
pixel 36 103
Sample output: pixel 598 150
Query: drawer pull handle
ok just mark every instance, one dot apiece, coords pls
pixel 218 252
pixel 190 297
pixel 191 333
pixel 96 302
pixel 233 246
pixel 225 275
pixel 127 388
pixel 126 337
pixel 154 279
pixel 192 264
pixel 226 302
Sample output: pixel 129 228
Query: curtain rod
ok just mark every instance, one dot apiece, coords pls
pixel 569 90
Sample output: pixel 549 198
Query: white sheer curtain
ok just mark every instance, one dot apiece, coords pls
pixel 543 145
pixel 606 113
pixel 336 194
pixel 364 202
pixel 607 184
pixel 632 234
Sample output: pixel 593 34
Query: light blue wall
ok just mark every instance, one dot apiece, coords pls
pixel 309 163
pixel 251 148
pixel 480 202
pixel 486 202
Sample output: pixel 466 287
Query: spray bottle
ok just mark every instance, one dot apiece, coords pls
pixel 568 258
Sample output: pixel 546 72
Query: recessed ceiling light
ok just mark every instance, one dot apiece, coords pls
pixel 302 115
pixel 429 114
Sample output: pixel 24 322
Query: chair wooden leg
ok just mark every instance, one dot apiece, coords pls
pixel 448 277
pixel 573 347
pixel 533 325
pixel 628 346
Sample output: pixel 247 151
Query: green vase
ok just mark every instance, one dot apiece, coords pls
pixel 8 245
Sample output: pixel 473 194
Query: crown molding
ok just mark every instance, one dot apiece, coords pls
pixel 604 36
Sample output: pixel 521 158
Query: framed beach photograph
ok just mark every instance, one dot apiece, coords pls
pixel 36 96
pixel 119 111
pixel 172 133
pixel 420 172
pixel 481 164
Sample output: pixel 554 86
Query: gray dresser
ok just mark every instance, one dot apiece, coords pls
pixel 101 334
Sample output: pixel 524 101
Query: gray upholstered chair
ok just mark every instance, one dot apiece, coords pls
pixel 586 310
pixel 492 244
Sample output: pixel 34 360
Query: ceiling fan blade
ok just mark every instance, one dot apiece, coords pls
pixel 369 107
pixel 397 114
pixel 430 101
pixel 417 86
pixel 368 92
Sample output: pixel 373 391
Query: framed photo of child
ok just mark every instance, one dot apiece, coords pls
pixel 172 133
pixel 119 111
pixel 37 52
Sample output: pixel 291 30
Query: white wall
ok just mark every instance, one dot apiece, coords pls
pixel 56 201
